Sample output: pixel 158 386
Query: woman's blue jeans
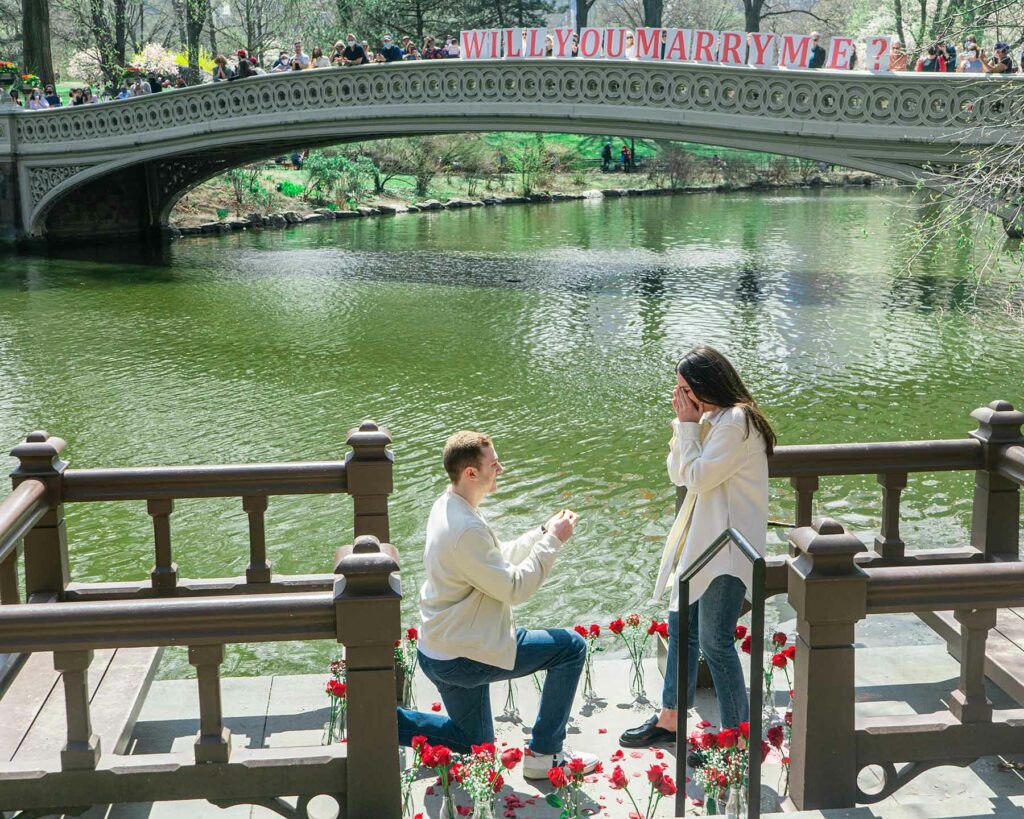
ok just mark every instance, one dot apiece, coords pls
pixel 712 628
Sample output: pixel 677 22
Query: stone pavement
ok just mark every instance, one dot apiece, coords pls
pixel 892 679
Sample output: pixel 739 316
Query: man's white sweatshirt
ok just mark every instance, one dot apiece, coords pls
pixel 472 582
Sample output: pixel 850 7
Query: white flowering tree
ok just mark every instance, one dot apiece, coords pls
pixel 154 57
pixel 86 65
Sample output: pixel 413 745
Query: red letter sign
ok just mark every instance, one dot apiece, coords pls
pixel 563 42
pixel 590 42
pixel 678 44
pixel 704 46
pixel 615 43
pixel 732 49
pixel 879 54
pixel 795 50
pixel 648 43
pixel 513 40
pixel 841 49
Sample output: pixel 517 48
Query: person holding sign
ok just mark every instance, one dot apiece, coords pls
pixel 719 451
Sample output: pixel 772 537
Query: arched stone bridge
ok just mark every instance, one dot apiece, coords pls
pixel 118 168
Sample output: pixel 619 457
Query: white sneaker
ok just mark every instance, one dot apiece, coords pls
pixel 536 766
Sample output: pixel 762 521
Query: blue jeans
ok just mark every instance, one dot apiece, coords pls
pixel 712 626
pixel 464 686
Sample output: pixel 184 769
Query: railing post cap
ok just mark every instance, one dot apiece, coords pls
pixel 368 434
pixel 999 422
pixel 825 537
pixel 39 454
pixel 366 565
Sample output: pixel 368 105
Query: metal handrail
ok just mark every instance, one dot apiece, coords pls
pixel 878 457
pixel 173 482
pixel 19 512
pixel 1011 464
pixel 162 622
pixel 756 698
pixel 945 588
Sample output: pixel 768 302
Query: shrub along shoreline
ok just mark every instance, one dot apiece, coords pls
pixel 289 218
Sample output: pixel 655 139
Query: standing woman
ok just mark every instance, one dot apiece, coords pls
pixel 719 451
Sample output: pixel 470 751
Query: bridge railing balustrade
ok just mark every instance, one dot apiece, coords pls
pixel 358 605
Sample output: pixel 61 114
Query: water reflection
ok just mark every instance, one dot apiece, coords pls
pixel 554 327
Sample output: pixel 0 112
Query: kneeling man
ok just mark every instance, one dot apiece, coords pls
pixel 467 638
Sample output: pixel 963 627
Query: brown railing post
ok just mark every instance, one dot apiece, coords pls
pixel 829 592
pixel 213 742
pixel 258 570
pixel 369 480
pixel 46 545
pixel 805 486
pixel 889 544
pixel 995 520
pixel 165 570
pixel 82 750
pixel 367 608
pixel 969 702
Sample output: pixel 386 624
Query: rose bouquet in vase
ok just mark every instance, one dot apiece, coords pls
pixel 660 784
pixel 725 768
pixel 406 661
pixel 567 781
pixel 439 759
pixel 591 635
pixel 482 775
pixel 635 637
pixel 337 696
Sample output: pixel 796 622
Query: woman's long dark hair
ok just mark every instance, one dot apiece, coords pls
pixel 714 380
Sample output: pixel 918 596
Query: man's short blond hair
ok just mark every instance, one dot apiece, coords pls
pixel 465 448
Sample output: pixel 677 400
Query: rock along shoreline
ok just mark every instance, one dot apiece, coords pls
pixel 284 219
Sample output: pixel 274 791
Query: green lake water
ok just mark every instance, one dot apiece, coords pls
pixel 553 327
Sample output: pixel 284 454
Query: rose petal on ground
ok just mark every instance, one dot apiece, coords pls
pixel 636 754
pixel 659 754
pixel 602 730
pixel 435 706
pixel 430 790
pixel 617 756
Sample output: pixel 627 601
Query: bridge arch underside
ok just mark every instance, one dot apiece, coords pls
pixel 133 193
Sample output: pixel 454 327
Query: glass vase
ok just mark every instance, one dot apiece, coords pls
pixel 589 694
pixel 637 684
pixel 408 692
pixel 710 805
pixel 334 728
pixel 484 810
pixel 735 806
pixel 448 810
pixel 511 710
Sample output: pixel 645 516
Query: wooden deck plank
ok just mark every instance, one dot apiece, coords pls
pixel 115 706
pixel 1004 658
pixel 24 698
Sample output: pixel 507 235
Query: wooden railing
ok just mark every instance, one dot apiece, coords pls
pixel 358 604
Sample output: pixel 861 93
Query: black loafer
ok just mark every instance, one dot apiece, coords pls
pixel 646 734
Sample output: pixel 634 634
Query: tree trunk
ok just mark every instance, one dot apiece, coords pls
pixel 178 7
pixel 211 30
pixel 752 14
pixel 582 13
pixel 653 10
pixel 120 30
pixel 195 18
pixel 898 10
pixel 35 30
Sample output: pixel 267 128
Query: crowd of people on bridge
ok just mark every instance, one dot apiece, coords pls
pixel 969 57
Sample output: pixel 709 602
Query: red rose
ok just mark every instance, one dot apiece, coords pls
pixel 788 718
pixel 398 643
pixel 779 638
pixel 463 810
pixel 417 741
pixel 511 757
pixel 665 786
pixel 790 652
pixel 457 773
pixel 576 766
pixel 745 729
pixel 723 781
pixel 436 756
pixel 741 632
pixel 580 630
pixel 663 630
pixel 745 645
pixel 558 777
pixel 598 768
pixel 595 630
pixel 779 660
pixel 728 738
pixel 336 688
pixel 633 620
pixel 655 774
pixel 486 749
pixel 708 741
pixel 412 634
pixel 765 750
pixel 776 735
pixel 618 779
pixel 616 626
pixel 496 780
